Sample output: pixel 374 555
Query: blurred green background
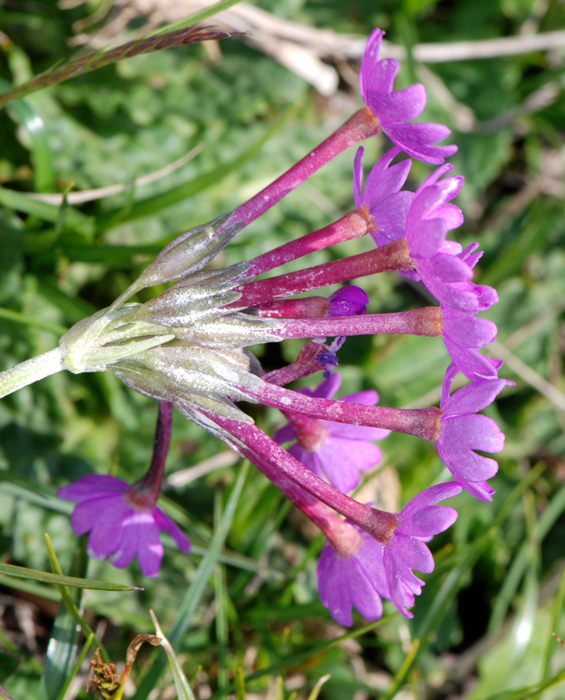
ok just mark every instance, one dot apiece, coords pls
pixel 248 107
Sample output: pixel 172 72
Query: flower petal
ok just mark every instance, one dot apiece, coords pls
pixel 163 522
pixel 463 434
pixel 342 461
pixel 91 486
pixel 473 397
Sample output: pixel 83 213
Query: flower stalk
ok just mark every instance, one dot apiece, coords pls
pixel 352 225
pixel 30 371
pixel 423 322
pixel 421 422
pixel 361 125
pixel 392 257
pixel 379 524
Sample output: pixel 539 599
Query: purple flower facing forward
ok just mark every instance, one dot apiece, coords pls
pixel 354 579
pixel 419 521
pixel 120 525
pixel 395 109
pixel 462 432
pixel 381 197
pixel 336 450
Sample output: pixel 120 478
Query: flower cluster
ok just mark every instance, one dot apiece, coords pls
pixel 189 347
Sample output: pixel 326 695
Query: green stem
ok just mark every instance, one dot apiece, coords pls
pixel 30 371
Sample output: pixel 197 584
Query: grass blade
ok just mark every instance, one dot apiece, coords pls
pixel 63 580
pixel 76 667
pixel 182 686
pixel 93 61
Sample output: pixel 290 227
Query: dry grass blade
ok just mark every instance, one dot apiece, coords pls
pixel 57 74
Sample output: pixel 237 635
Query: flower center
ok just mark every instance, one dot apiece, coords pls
pixel 369 218
pixel 141 497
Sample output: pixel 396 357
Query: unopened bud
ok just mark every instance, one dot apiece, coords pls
pixel 189 252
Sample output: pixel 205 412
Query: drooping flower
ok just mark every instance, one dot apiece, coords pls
pixel 354 579
pixel 381 196
pixel 462 432
pixel 418 522
pixel 120 525
pixel 336 450
pixel 188 346
pixel 396 110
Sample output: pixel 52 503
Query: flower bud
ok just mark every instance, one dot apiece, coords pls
pixel 189 252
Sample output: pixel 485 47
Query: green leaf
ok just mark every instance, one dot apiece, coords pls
pixel 25 203
pixel 76 668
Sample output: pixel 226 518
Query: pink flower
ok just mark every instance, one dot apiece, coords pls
pixel 336 450
pixel 418 522
pixel 462 432
pixel 381 195
pixel 362 571
pixel 120 527
pixel 464 335
pixel 395 110
pixel 443 267
pixel 430 217
pixel 355 580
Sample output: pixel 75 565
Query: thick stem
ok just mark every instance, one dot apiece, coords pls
pixel 393 256
pixel 352 225
pixel 421 422
pixel 378 524
pixel 425 322
pixel 147 490
pixel 30 371
pixel 358 127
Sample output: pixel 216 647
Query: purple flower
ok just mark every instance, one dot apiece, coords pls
pixel 381 196
pixel 430 217
pixel 462 432
pixel 418 522
pixel 395 109
pixel 119 527
pixel 469 296
pixel 355 580
pixel 336 450
pixel 443 267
